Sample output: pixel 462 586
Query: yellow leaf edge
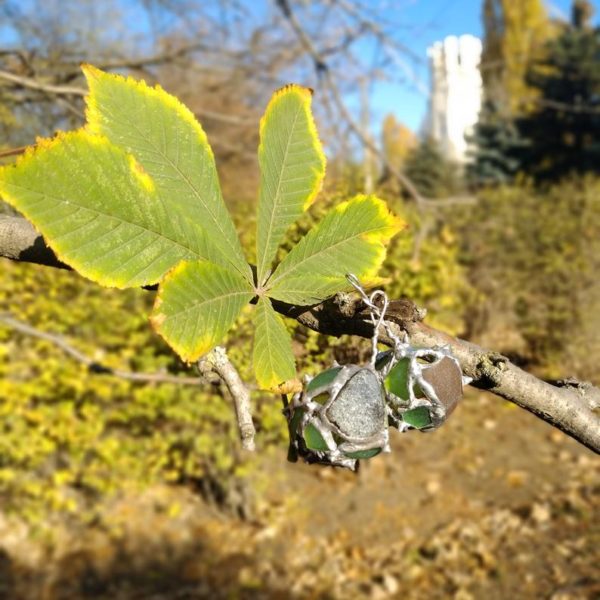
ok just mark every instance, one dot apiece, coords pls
pixel 94 76
pixel 40 148
pixel 305 95
pixel 157 318
pixel 379 238
pixel 273 384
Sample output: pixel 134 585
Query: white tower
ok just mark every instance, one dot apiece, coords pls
pixel 456 90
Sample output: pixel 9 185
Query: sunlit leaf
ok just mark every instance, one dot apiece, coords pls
pixel 292 166
pixel 99 211
pixel 350 239
pixel 172 147
pixel 197 304
pixel 273 359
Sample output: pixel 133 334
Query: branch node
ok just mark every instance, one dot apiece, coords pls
pixel 491 366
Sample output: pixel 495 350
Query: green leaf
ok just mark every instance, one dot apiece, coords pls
pixel 170 144
pixel 350 239
pixel 273 358
pixel 292 167
pixel 196 305
pixel 99 211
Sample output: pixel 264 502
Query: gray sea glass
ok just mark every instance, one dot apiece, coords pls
pixel 359 408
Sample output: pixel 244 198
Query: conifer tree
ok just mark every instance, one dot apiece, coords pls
pixel 516 33
pixel 563 133
pixel 495 143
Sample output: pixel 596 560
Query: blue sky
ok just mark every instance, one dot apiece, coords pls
pixel 427 21
pixel 432 20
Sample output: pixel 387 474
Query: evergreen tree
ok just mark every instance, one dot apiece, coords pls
pixel 515 35
pixel 495 147
pixel 563 133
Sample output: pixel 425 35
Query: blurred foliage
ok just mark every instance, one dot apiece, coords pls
pixel 397 142
pixel 534 256
pixel 549 129
pixel 69 437
pixel 515 32
pixel 422 263
pixel 432 173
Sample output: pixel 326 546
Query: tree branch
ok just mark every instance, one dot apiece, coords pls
pixel 218 362
pixel 568 405
pixel 21 242
pixel 215 362
pixel 572 407
pixel 93 365
pixel 59 91
pixel 34 84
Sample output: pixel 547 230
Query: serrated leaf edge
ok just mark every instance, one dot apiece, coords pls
pixel 93 114
pixel 379 237
pixel 305 95
pixel 43 145
pixel 157 318
pixel 93 117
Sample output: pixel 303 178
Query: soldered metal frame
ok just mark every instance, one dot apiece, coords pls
pixel 317 415
pixel 398 406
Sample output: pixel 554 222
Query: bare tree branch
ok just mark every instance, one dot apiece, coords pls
pixel 160 58
pixel 572 409
pixel 218 362
pixel 59 91
pixel 20 241
pixel 34 84
pixel 568 405
pixel 93 365
pixel 215 362
pixel 13 151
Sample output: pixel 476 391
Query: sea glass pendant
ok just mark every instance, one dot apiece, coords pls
pixel 422 395
pixel 340 417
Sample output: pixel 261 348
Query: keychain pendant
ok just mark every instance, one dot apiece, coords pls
pixel 340 417
pixel 344 413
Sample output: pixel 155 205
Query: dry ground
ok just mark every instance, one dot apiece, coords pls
pixel 495 505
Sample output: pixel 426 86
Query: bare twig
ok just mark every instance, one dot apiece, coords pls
pixel 61 90
pixel 93 365
pixel 34 84
pixel 324 73
pixel 13 151
pixel 159 58
pixel 217 361
pixel 20 241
